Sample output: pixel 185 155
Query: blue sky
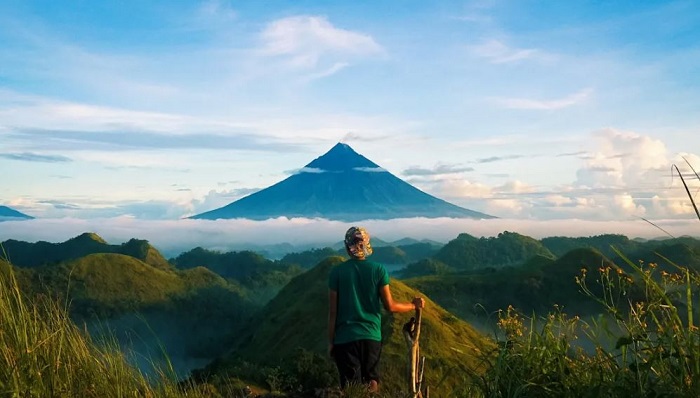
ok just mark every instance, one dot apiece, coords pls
pixel 527 110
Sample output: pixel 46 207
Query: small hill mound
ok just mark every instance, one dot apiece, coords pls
pixel 28 255
pixel 425 267
pixel 297 318
pixel 143 251
pixel 467 252
pixel 117 279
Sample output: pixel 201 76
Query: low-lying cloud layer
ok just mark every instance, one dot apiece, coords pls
pixel 174 237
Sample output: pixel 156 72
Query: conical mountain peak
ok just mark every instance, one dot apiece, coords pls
pixel 341 185
pixel 341 158
pixel 7 213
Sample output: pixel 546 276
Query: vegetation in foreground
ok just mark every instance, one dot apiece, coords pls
pixel 44 354
pixel 656 350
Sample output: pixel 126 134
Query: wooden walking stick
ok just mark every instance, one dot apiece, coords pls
pixel 416 365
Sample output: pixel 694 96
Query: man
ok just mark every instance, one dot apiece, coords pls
pixel 358 288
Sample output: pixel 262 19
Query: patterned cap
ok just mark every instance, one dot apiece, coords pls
pixel 357 243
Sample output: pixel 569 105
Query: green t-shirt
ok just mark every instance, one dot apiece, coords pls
pixel 359 304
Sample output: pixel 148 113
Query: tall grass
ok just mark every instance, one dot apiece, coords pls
pixel 646 343
pixel 44 354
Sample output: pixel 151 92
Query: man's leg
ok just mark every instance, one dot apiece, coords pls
pixel 371 353
pixel 348 360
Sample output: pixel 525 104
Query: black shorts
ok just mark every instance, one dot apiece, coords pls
pixel 358 361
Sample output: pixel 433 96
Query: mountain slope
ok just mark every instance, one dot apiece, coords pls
pixel 8 214
pixel 297 317
pixel 467 252
pixel 27 255
pixel 341 185
pixel 536 286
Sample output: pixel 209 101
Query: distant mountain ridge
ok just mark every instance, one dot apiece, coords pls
pixel 341 185
pixel 8 214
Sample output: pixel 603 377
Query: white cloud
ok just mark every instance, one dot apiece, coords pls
pixel 576 98
pixel 216 10
pixel 176 236
pixel 508 208
pixel 558 200
pixel 335 68
pixel 461 189
pixel 497 52
pixel 305 40
pixel 312 170
pixel 515 187
pixel 624 159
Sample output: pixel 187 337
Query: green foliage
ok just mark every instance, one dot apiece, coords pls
pixel 426 267
pixel 309 258
pixel 43 354
pixel 297 318
pixel 534 286
pixel 560 245
pixel 193 313
pixel 507 249
pixel 260 277
pixel 28 255
pixel 234 265
pixel 651 351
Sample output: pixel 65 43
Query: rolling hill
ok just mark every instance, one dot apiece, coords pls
pixel 297 319
pixel 536 285
pixel 26 254
pixel 467 252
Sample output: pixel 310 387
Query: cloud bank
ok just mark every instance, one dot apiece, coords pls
pixel 176 236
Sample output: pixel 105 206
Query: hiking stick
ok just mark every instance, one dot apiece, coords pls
pixel 412 334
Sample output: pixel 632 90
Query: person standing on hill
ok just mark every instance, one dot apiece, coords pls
pixel 358 288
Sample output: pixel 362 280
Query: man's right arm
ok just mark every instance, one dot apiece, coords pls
pixel 398 306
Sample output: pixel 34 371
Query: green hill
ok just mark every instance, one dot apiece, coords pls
pixel 467 252
pixel 309 258
pixel 427 266
pixel 297 318
pixel 28 255
pixel 192 313
pixel 680 251
pixel 536 285
pixel 260 277
pixel 560 245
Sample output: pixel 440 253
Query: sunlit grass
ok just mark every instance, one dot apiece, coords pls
pixel 646 344
pixel 44 354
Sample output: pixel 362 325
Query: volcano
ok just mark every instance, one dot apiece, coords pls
pixel 341 185
pixel 8 214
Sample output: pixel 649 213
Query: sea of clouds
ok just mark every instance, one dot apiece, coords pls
pixel 173 237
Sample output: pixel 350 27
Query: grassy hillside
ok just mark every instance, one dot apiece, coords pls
pixel 560 245
pixel 192 313
pixel 43 354
pixel 28 255
pixel 260 277
pixel 467 252
pixel 535 286
pixel 297 318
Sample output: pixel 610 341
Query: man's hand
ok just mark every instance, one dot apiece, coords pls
pixel 330 350
pixel 419 302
